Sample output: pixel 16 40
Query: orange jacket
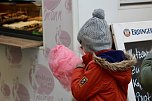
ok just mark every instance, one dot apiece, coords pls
pixel 101 80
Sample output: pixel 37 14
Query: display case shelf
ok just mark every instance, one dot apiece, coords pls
pixel 20 34
pixel 19 42
pixel 16 1
pixel 21 19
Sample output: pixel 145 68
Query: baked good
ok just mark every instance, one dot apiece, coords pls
pixel 28 25
pixel 7 18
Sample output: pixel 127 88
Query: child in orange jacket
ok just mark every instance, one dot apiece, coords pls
pixel 104 74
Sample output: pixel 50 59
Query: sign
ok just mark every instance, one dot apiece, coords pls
pixel 135 38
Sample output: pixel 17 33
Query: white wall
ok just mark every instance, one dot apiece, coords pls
pixel 82 11
pixel 113 11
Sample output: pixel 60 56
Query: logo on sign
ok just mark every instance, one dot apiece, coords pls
pixel 126 32
pixel 141 31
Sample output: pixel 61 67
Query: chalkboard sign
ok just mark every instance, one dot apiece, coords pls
pixel 135 38
pixel 140 50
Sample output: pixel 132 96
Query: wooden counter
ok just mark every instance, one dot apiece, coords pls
pixel 19 42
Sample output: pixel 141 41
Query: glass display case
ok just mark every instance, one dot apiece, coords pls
pixel 21 18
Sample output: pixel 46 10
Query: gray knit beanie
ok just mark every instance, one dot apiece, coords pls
pixel 95 34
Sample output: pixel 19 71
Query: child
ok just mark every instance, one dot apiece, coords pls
pixel 104 74
pixel 62 61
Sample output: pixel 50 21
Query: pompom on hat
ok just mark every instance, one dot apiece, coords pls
pixel 95 34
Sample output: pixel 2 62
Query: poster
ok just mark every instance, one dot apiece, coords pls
pixel 57 30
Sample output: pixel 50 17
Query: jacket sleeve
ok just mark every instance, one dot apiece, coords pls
pixel 84 81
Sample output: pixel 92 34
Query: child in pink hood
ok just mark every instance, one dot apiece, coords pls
pixel 62 61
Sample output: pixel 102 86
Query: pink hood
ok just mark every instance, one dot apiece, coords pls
pixel 62 61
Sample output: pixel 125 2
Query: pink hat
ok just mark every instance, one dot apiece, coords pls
pixel 62 61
